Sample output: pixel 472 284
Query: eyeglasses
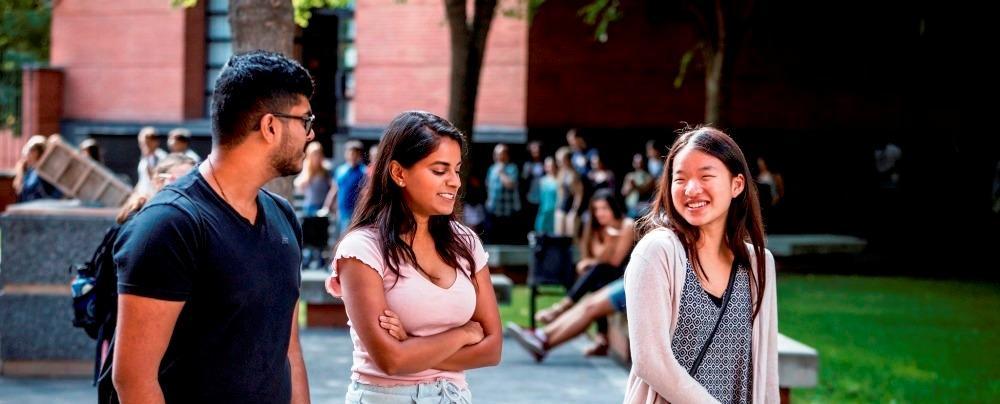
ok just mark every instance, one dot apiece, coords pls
pixel 307 120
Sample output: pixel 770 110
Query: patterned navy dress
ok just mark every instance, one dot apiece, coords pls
pixel 726 369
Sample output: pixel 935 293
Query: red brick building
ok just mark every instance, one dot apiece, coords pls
pixel 817 87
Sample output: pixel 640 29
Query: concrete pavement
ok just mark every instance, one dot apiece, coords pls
pixel 565 376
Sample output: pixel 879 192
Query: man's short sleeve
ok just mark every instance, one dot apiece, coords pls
pixel 155 253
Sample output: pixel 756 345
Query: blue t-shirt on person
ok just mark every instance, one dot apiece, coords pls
pixel 240 284
pixel 350 179
pixel 581 160
pixel 34 187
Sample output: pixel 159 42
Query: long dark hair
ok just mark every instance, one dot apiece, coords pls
pixel 743 222
pixel 595 227
pixel 410 137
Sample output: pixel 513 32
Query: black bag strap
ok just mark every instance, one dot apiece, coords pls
pixel 106 393
pixel 725 305
pixel 106 243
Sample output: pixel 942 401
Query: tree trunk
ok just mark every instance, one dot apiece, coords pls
pixel 468 46
pixel 723 26
pixel 719 58
pixel 262 24
pixel 718 88
pixel 267 25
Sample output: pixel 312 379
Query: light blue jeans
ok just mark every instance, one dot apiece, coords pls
pixel 440 392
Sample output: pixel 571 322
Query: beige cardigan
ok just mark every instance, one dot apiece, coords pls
pixel 654 280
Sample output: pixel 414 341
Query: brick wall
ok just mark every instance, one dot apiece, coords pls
pixel 10 148
pixel 404 58
pixel 41 101
pixel 129 59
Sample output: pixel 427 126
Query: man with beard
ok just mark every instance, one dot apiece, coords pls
pixel 208 271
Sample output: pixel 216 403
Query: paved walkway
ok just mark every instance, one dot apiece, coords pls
pixel 565 376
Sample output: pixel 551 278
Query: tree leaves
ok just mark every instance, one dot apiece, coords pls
pixel 601 13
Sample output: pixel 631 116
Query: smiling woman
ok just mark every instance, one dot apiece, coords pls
pixel 414 281
pixel 703 278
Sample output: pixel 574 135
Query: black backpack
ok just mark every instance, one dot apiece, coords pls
pixel 95 295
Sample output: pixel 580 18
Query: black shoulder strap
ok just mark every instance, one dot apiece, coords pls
pixel 106 393
pixel 725 305
pixel 109 237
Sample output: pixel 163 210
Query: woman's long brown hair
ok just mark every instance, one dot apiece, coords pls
pixel 410 137
pixel 743 222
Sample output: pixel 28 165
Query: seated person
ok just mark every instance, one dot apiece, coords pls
pixel 27 184
pixel 573 322
pixel 605 247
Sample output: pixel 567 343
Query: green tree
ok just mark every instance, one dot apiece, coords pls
pixel 720 27
pixel 24 39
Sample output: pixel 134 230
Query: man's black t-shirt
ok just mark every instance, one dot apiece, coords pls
pixel 240 284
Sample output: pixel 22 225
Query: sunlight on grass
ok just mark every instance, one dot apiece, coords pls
pixel 895 339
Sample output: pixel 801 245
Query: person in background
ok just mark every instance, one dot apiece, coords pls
pixel 503 201
pixel 548 199
pixel 532 172
pixel 314 186
pixel 773 180
pixel 314 181
pixel 348 180
pixel 637 187
pixel 582 154
pixel 654 159
pixel 570 194
pixel 90 148
pixel 575 321
pixel 372 155
pixel 600 176
pixel 168 170
pixel 27 184
pixel 150 155
pixel 474 205
pixel 179 141
pixel 604 248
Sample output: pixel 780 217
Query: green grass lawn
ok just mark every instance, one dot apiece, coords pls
pixel 883 339
pixel 517 311
pixel 895 339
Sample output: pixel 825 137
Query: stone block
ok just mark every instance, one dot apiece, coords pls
pixel 313 290
pixel 37 245
pixel 503 287
pixel 798 364
pixel 40 327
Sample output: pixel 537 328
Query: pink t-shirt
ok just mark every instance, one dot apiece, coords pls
pixel 423 307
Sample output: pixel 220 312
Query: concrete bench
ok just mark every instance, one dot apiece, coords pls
pixel 324 310
pixel 798 364
pixel 40 240
pixel 503 287
pixel 790 245
pixel 507 255
pixel 509 259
